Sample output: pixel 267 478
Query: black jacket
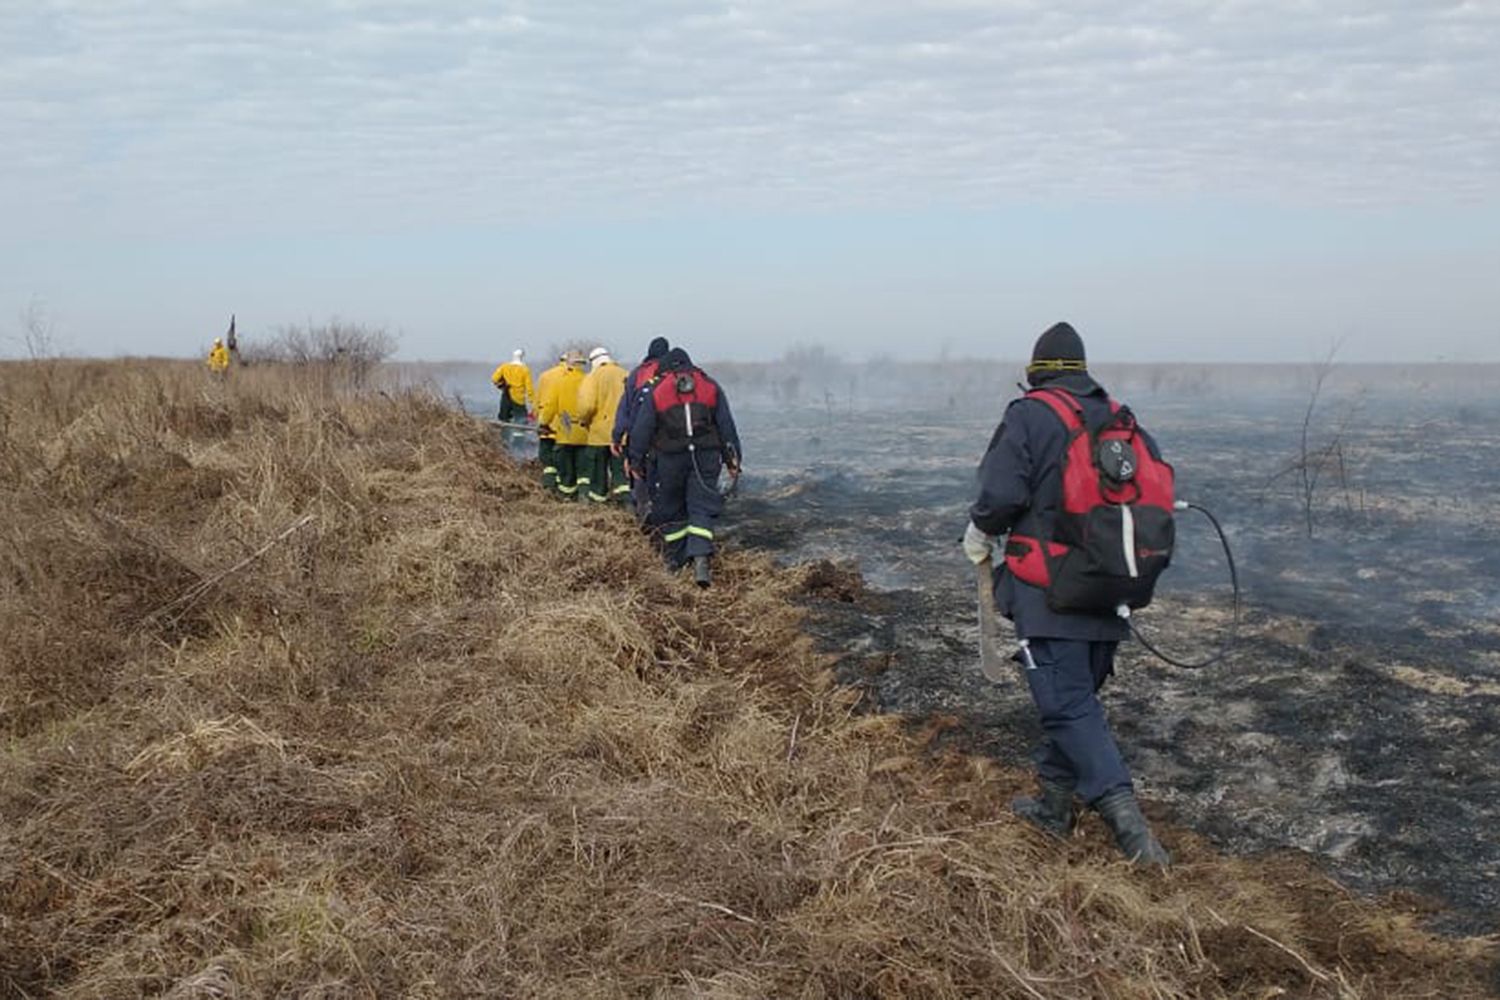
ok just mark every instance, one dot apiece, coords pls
pixel 1021 475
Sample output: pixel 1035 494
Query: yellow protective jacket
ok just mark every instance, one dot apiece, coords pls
pixel 598 399
pixel 543 385
pixel 557 396
pixel 517 378
pixel 218 359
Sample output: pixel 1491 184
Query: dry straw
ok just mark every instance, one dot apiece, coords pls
pixel 312 693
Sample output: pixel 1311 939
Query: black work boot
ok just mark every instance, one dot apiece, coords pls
pixel 702 574
pixel 1122 813
pixel 1051 811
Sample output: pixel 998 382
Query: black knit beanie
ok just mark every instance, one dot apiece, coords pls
pixel 676 359
pixel 1059 349
pixel 658 348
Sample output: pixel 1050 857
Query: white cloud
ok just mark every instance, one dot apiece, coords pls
pixel 137 115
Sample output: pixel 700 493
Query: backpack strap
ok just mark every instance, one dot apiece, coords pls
pixel 1061 403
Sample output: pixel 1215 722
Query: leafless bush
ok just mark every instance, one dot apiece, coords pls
pixel 557 350
pixel 1321 456
pixel 38 331
pixel 351 350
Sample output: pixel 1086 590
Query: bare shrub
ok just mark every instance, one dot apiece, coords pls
pixel 38 331
pixel 350 351
pixel 1322 460
pixel 557 350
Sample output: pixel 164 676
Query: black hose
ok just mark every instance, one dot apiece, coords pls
pixel 734 479
pixel 1231 635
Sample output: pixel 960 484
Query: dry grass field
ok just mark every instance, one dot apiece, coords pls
pixel 307 692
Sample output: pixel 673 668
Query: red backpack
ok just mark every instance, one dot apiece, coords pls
pixel 1112 533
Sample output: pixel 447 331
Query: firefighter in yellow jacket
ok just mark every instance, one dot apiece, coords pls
pixel 557 400
pixel 513 379
pixel 546 446
pixel 598 399
pixel 218 358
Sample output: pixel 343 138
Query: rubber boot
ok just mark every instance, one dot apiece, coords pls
pixel 1122 814
pixel 702 574
pixel 1051 811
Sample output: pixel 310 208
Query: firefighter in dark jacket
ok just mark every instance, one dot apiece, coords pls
pixel 1067 657
pixel 635 385
pixel 684 426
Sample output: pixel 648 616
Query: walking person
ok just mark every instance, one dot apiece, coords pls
pixel 684 426
pixel 218 359
pixel 643 485
pixel 546 438
pixel 513 380
pixel 558 409
pixel 1067 656
pixel 599 399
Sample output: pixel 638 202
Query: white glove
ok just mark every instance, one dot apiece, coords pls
pixel 978 546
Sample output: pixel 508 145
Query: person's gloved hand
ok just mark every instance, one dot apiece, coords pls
pixel 977 545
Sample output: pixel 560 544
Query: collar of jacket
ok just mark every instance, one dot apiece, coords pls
pixel 1077 383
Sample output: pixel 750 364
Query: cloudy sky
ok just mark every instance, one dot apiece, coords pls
pixel 1237 180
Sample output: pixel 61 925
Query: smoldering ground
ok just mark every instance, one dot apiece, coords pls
pixel 1357 717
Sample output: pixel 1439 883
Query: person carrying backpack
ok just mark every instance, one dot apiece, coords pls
pixel 642 486
pixel 1085 499
pixel 684 430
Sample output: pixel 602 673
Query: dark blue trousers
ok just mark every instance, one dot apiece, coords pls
pixel 687 504
pixel 1077 747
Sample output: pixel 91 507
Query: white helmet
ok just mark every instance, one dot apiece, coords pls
pixel 598 356
pixel 518 355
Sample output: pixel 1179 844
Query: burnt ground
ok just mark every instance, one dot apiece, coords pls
pixel 1357 716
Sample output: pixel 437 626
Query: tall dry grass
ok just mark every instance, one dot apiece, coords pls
pixel 311 693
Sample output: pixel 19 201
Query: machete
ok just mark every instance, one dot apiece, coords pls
pixel 991 659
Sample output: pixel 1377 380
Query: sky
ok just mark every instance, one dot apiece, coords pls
pixel 1243 180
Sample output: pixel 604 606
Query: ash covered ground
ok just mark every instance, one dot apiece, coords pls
pixel 1358 717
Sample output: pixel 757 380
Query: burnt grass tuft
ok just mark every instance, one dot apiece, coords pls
pixel 308 691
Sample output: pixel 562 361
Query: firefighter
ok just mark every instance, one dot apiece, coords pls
pixel 635 383
pixel 1068 657
pixel 218 358
pixel 598 400
pixel 557 404
pixel 683 424
pixel 513 379
pixel 546 446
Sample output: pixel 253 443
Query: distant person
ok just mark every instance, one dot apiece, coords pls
pixel 517 397
pixel 218 358
pixel 558 409
pixel 683 426
pixel 599 398
pixel 1067 656
pixel 546 448
pixel 635 384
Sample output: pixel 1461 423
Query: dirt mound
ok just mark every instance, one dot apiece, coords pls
pixel 831 581
pixel 308 693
